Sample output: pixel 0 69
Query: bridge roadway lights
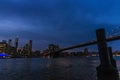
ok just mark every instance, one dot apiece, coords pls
pixel 105 71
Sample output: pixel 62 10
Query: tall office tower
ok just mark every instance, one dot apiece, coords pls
pixel 30 48
pixel 10 42
pixel 27 50
pixel 9 46
pixel 16 45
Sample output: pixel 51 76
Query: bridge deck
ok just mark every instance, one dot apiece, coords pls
pixel 93 42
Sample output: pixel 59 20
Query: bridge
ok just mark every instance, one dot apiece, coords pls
pixel 107 69
pixel 93 42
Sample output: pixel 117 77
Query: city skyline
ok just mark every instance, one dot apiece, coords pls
pixel 62 22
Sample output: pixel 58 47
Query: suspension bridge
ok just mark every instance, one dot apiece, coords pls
pixel 107 69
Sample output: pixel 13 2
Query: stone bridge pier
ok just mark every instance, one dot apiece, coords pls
pixel 107 69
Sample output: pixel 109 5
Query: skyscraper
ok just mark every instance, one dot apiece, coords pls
pixel 30 48
pixel 16 45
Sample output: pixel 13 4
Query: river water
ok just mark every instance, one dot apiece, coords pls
pixel 75 68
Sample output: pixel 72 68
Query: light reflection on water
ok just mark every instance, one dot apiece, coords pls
pixel 49 69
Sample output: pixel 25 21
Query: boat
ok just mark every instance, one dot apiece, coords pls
pixel 3 55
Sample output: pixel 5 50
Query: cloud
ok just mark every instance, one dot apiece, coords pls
pixel 65 22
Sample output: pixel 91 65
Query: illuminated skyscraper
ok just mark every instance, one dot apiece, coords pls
pixel 3 47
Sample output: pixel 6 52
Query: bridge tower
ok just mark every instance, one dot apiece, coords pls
pixel 52 49
pixel 105 71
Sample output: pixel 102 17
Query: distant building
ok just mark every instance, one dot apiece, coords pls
pixel 4 41
pixel 20 50
pixel 86 53
pixel 3 47
pixel 6 47
pixel 26 51
pixel 49 52
pixel 14 50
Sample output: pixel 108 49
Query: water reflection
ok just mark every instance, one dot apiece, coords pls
pixel 48 69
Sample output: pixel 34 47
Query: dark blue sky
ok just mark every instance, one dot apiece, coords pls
pixel 62 22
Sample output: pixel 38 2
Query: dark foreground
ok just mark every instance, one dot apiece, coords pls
pixel 49 69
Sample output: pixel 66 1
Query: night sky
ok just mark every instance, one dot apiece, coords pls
pixel 62 22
